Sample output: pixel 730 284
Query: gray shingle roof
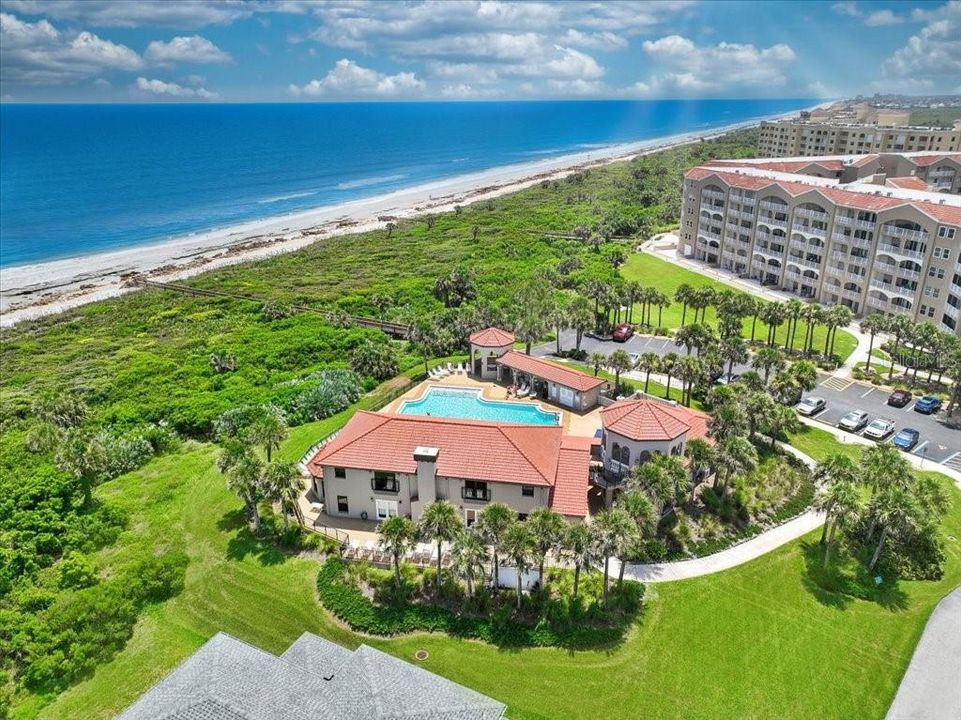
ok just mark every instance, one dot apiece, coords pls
pixel 314 679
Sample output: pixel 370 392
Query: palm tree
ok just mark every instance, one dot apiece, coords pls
pixel 782 420
pixel 269 430
pixel 668 363
pixel 580 318
pixel 773 314
pixel 700 455
pixel 840 317
pixel 492 522
pixel 686 336
pixel 632 293
pixel 518 548
pixel 704 297
pixel 834 470
pixel 619 362
pixel 752 307
pixel 812 316
pixel 901 327
pixel 661 301
pixel 468 556
pixel 769 359
pixel 734 456
pixel 596 290
pixel 559 319
pixel 759 409
pixel 895 509
pixel 533 305
pixel 648 363
pixel 441 522
pixel 733 350
pixel 597 360
pixel 689 370
pixel 683 295
pixel 792 311
pixel 615 530
pixel 638 506
pixel 245 478
pixel 845 503
pixel 282 483
pixel 580 547
pixel 547 530
pixel 397 536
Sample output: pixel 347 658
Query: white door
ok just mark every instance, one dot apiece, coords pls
pixel 566 396
pixel 386 509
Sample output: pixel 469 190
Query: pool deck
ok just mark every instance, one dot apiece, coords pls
pixel 580 424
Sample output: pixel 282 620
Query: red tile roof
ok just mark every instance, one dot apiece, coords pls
pixel 790 166
pixel 547 370
pixel 468 449
pixel 948 214
pixel 908 183
pixel 932 159
pixel 652 420
pixel 491 337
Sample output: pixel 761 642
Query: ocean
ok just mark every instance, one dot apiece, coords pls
pixel 80 179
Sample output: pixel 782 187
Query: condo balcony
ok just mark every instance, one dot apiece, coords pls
pixel 811 214
pixel 951 311
pixel 898 251
pixel 774 207
pixel 809 230
pixel 893 289
pixel 904 233
pixel 713 195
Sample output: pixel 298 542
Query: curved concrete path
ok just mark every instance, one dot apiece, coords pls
pixel 736 555
pixel 931 688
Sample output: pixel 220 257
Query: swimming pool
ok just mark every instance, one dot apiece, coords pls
pixel 467 404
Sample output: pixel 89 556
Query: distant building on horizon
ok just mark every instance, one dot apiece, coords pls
pixel 811 136
pixel 875 233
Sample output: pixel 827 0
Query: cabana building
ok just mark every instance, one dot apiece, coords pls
pixel 486 346
pixel 552 382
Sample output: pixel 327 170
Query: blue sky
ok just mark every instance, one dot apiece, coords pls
pixel 310 50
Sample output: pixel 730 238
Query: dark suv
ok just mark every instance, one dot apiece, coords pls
pixel 899 398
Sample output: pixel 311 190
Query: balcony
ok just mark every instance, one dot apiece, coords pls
pixel 384 485
pixel 793 275
pixel 809 230
pixel 834 271
pixel 907 273
pixel 773 206
pixel 713 195
pixel 768 253
pixel 811 214
pixel 879 303
pixel 904 233
pixel 854 295
pixel 862 243
pixel 476 494
pixel 899 251
pixel 803 262
pixel 771 222
pixel 951 311
pixel 893 289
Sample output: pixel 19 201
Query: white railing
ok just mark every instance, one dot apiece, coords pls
pixel 907 273
pixel 851 294
pixel 772 222
pixel 811 214
pixel 807 263
pixel 904 292
pixel 905 233
pixel 302 465
pixel 773 206
pixel 895 250
pixel 809 230
pixel 951 310
pixel 713 195
pixel 839 255
pixel 879 303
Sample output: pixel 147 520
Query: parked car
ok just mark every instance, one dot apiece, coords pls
pixel 811 406
pixel 899 398
pixel 623 332
pixel 727 378
pixel 879 429
pixel 854 421
pixel 906 439
pixel 927 405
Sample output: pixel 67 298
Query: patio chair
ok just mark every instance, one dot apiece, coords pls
pixel 450 369
pixel 442 372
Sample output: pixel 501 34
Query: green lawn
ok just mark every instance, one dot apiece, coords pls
pixel 653 272
pixel 754 642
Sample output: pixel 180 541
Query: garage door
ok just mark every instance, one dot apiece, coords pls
pixel 566 396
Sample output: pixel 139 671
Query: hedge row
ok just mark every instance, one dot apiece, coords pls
pixel 351 606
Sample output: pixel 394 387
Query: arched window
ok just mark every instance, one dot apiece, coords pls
pixel 626 455
pixel 644 456
pixel 616 453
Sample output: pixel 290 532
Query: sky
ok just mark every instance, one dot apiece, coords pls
pixel 313 50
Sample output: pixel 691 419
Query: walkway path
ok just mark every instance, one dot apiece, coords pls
pixel 931 688
pixel 732 557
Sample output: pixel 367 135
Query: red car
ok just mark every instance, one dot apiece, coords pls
pixel 899 398
pixel 623 332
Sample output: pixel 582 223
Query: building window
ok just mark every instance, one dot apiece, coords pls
pixel 936 272
pixel 340 473
pixel 527 490
pixel 932 292
pixel 386 509
pixel 946 232
pixel 384 482
pixel 475 490
pixel 342 503
pixel 941 253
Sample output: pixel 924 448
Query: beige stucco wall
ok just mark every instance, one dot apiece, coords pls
pixel 664 447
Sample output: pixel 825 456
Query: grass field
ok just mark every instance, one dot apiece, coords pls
pixel 667 277
pixel 758 641
pixel 935 117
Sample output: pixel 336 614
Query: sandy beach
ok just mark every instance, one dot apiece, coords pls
pixel 31 291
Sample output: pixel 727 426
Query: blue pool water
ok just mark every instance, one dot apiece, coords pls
pixel 78 179
pixel 468 404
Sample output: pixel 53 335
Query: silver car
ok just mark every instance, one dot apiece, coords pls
pixel 811 405
pixel 879 429
pixel 854 421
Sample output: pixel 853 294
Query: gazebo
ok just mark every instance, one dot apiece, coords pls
pixel 486 346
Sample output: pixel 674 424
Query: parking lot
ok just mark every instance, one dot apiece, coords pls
pixel 938 442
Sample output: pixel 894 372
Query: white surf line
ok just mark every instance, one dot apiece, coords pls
pixel 870 390
pixel 920 447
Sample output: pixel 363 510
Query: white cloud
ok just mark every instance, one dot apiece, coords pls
pixel 881 18
pixel 38 53
pixel 930 61
pixel 684 68
pixel 121 13
pixel 848 7
pixel 195 80
pixel 595 40
pixel 166 90
pixel 186 49
pixel 577 86
pixel 347 79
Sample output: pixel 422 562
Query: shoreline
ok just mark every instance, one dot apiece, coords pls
pixel 33 291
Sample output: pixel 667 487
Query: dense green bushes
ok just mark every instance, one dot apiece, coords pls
pixel 561 623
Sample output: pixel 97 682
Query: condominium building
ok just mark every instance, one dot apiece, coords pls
pixel 838 230
pixel 792 138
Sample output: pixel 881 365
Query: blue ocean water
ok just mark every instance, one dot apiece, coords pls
pixel 78 179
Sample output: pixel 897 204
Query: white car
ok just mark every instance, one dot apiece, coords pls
pixel 854 421
pixel 811 405
pixel 879 429
pixel 634 358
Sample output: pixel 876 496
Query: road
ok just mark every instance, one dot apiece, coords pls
pixel 938 443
